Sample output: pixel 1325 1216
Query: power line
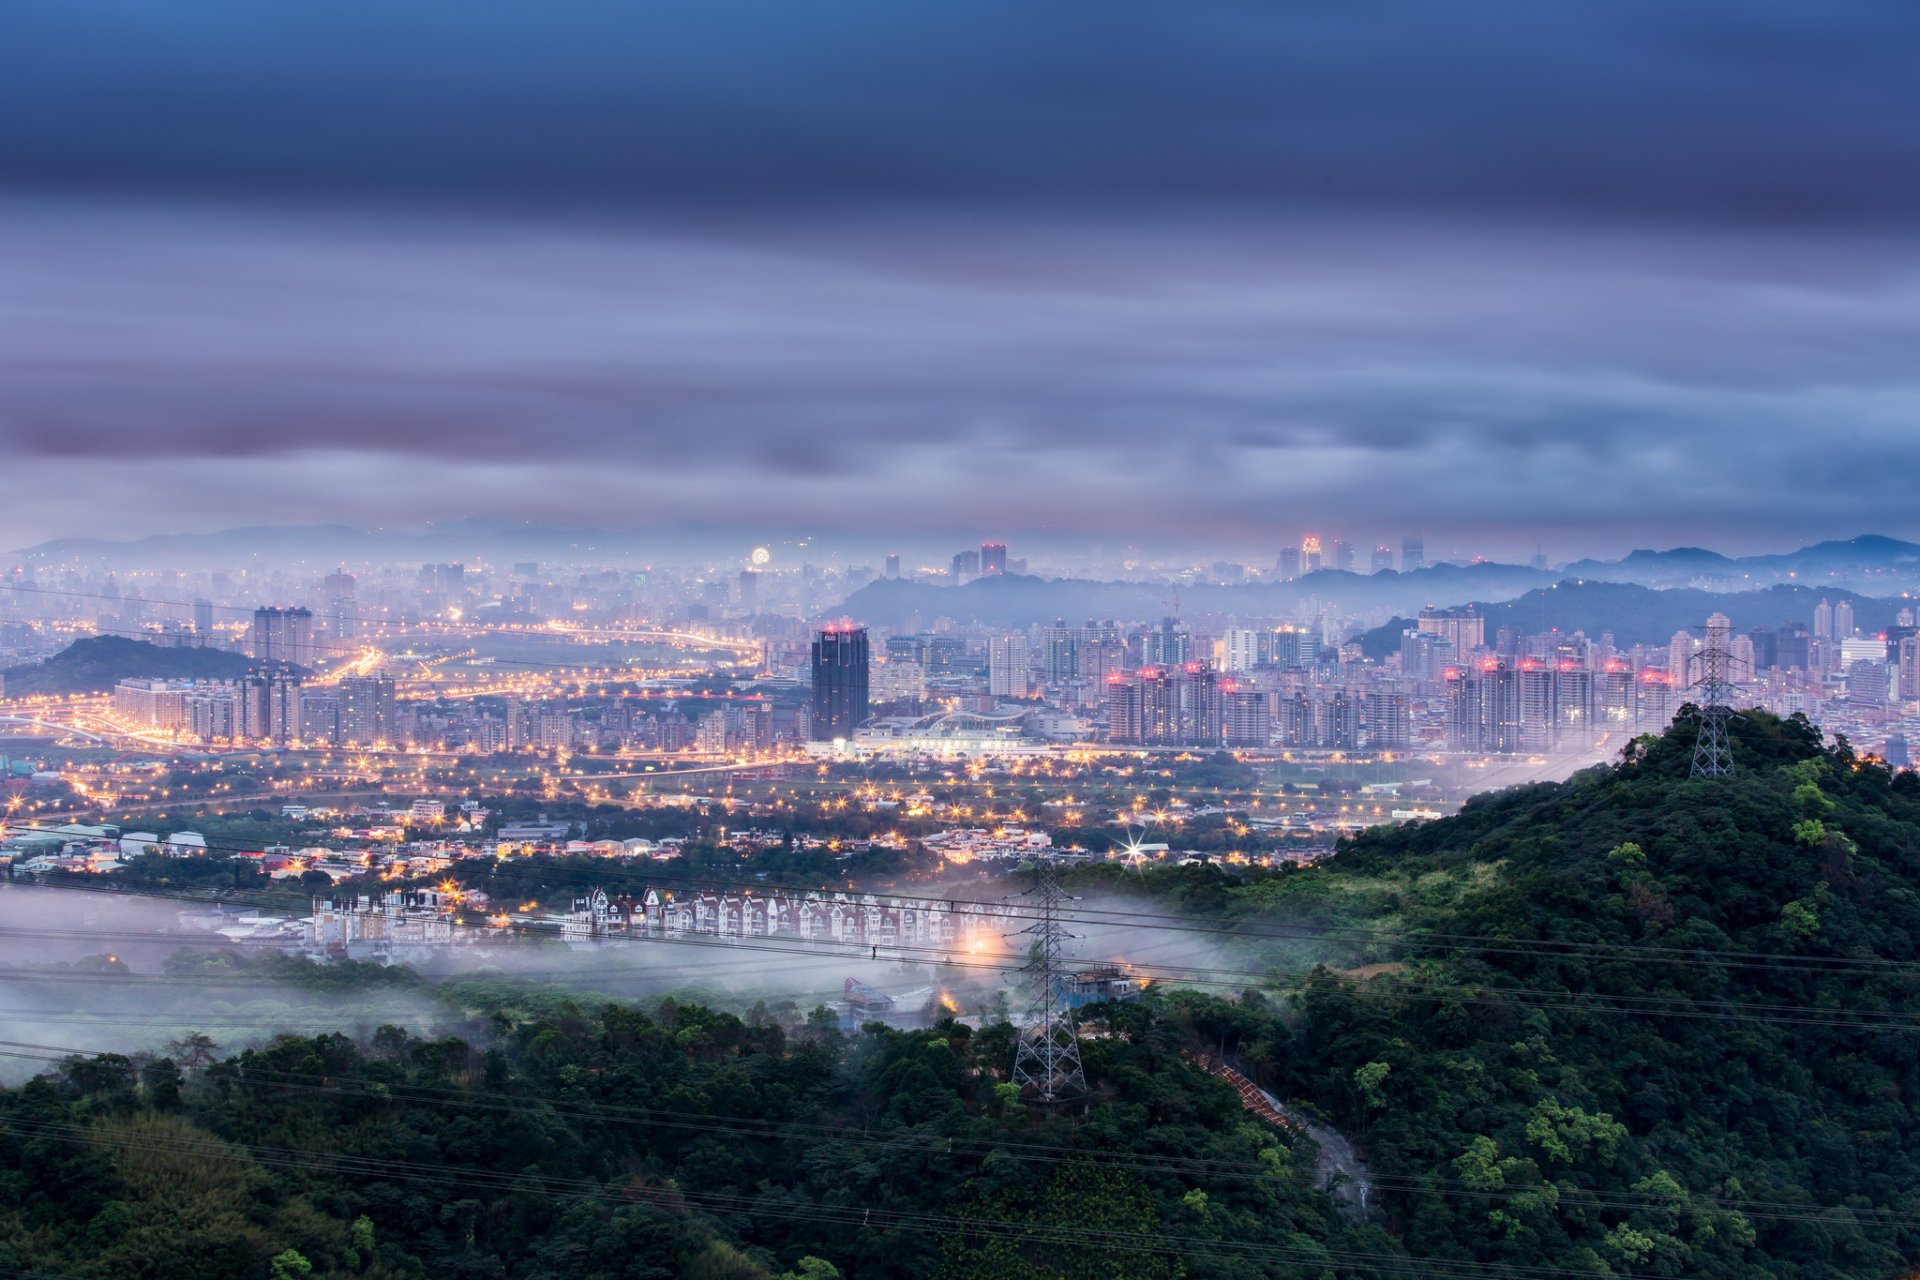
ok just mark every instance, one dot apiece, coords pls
pixel 1436 940
pixel 1133 1161
pixel 938 1224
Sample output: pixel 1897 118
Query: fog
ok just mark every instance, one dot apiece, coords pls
pixel 88 972
pixel 96 971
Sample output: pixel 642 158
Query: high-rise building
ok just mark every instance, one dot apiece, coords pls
pixel 1868 682
pixel 1126 718
pixel 1388 722
pixel 1310 553
pixel 1344 555
pixel 1843 620
pixel 1166 707
pixel 267 707
pixel 1059 653
pixel 1246 720
pixel 1483 708
pixel 1823 621
pixel 1538 721
pixel 1680 651
pixel 1289 563
pixel 749 590
pixel 1298 727
pixel 1426 655
pixel 203 617
pixel 1413 553
pixel 1614 704
pixel 367 708
pixel 1201 714
pixel 1382 558
pixel 966 565
pixel 282 636
pixel 893 564
pixel 993 558
pixel 1461 627
pixel 840 702
pixel 320 717
pixel 1660 696
pixel 1342 721
pixel 1007 665
pixel 1294 647
pixel 1246 648
pixel 1167 645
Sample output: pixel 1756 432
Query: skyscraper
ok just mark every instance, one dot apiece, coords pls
pixel 1167 645
pixel 1289 563
pixel 840 702
pixel 749 590
pixel 1247 648
pixel 1823 621
pixel 283 635
pixel 1060 653
pixel 1007 665
pixel 1413 553
pixel 1382 558
pixel 1389 726
pixel 893 564
pixel 1246 720
pixel 1291 647
pixel 1310 553
pixel 367 710
pixel 203 617
pixel 1843 620
pixel 268 706
pixel 993 558
pixel 1483 708
pixel 1460 626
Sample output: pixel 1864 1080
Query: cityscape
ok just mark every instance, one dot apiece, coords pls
pixel 892 642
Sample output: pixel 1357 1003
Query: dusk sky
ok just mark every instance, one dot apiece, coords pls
pixel 1202 275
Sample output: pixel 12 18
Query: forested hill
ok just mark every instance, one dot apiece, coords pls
pixel 1628 1025
pixel 97 663
pixel 1641 1023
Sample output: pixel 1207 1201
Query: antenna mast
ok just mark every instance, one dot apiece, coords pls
pixel 1047 1060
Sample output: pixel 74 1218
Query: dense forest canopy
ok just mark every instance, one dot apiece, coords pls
pixel 1633 1024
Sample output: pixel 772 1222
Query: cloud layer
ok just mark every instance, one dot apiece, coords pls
pixel 1597 274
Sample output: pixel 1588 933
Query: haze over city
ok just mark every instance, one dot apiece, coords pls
pixel 892 641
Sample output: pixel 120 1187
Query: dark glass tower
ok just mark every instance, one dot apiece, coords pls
pixel 839 682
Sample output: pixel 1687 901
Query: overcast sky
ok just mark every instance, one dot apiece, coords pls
pixel 1198 275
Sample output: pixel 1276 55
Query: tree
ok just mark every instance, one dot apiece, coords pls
pixel 289 1264
pixel 812 1268
pixel 194 1050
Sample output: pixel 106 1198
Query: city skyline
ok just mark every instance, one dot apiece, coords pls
pixel 1254 268
pixel 890 641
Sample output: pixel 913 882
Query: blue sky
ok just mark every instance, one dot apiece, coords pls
pixel 1594 274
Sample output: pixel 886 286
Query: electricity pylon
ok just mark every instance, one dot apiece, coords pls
pixel 1712 750
pixel 1047 1059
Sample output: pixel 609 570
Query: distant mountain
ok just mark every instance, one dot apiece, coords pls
pixel 1875 563
pixel 1014 600
pixel 466 540
pixel 96 664
pixel 1646 615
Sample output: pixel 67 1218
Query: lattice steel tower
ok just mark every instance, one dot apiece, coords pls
pixel 1047 1059
pixel 1712 751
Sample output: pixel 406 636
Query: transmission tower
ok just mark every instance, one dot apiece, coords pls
pixel 1047 1060
pixel 1712 751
